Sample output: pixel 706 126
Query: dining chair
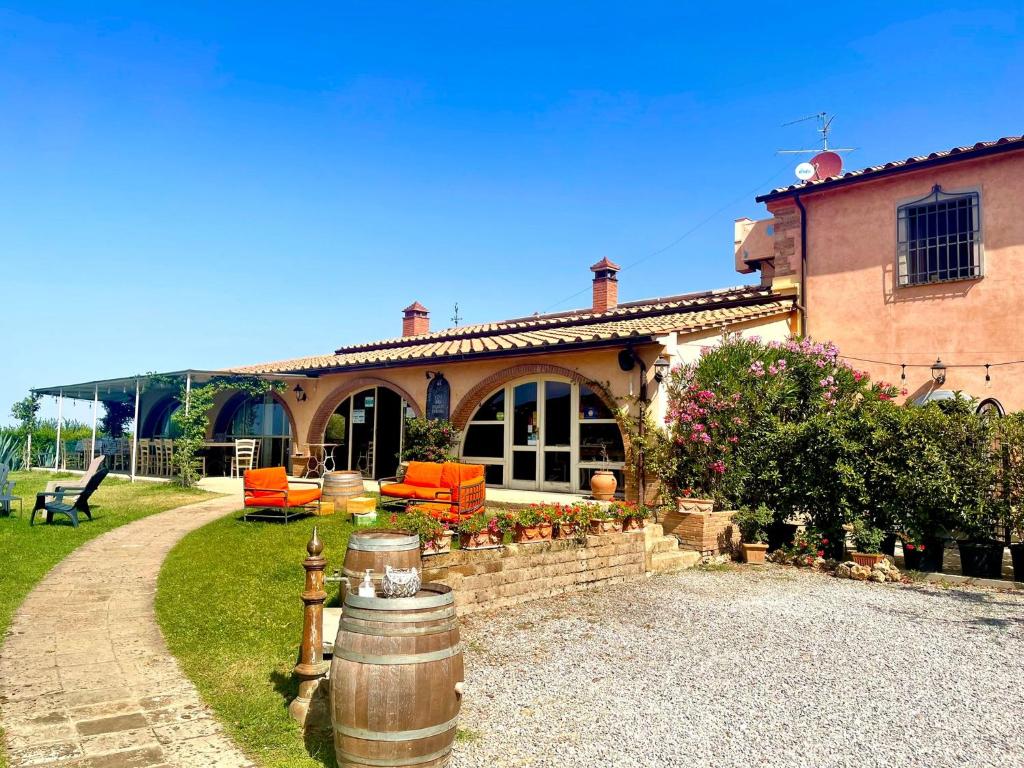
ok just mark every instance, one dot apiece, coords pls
pixel 245 456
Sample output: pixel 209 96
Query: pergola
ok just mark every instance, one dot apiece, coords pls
pixel 129 389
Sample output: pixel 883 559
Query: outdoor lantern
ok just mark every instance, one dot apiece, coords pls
pixel 300 393
pixel 661 366
pixel 938 371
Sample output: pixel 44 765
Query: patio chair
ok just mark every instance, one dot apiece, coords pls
pixel 7 493
pixel 268 490
pixel 55 485
pixel 59 505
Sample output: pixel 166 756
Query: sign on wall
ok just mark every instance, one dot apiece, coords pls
pixel 438 398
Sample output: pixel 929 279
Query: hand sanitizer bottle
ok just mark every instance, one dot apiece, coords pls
pixel 366 589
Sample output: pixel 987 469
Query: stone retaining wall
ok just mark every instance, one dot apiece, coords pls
pixel 497 578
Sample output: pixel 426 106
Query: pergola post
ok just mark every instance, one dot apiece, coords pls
pixel 95 407
pixel 60 421
pixel 135 431
pixel 188 390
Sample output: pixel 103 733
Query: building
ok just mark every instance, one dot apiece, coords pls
pixel 906 263
pixel 536 399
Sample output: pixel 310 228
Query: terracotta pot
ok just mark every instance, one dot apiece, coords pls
pixel 867 558
pixel 565 530
pixel 526 534
pixel 754 553
pixel 442 547
pixel 605 525
pixel 702 506
pixel 603 485
pixel 633 524
pixel 482 540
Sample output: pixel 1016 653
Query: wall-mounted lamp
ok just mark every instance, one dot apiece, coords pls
pixel 661 366
pixel 939 371
pixel 300 393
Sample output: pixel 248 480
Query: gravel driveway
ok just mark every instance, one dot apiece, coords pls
pixel 742 667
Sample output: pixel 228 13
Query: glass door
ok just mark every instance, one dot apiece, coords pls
pixel 556 436
pixel 525 436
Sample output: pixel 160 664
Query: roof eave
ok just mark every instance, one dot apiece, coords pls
pixel 917 165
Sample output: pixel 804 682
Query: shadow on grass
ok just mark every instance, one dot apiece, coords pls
pixel 317 736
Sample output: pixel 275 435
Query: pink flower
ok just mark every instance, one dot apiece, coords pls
pixel 718 467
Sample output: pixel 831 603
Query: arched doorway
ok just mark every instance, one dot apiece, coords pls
pixel 262 417
pixel 544 433
pixel 367 430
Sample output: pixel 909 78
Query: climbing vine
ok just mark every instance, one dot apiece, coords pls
pixel 193 421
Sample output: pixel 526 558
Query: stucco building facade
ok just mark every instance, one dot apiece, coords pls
pixel 906 263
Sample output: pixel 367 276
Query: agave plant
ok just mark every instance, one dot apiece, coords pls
pixel 12 450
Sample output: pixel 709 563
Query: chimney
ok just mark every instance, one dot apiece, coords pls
pixel 606 285
pixel 415 320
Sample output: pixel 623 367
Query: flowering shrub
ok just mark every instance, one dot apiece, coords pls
pixel 430 440
pixel 727 408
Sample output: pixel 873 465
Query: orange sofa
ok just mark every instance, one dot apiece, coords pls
pixel 450 491
pixel 269 489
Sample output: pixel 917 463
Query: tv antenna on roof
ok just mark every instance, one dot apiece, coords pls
pixel 826 162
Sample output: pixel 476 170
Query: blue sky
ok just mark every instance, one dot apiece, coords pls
pixel 201 186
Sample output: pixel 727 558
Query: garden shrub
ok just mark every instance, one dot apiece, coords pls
pixel 430 440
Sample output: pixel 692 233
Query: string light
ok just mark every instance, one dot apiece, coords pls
pixel 988 377
pixel 903 371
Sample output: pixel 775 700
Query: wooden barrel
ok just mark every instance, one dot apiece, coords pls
pixel 339 487
pixel 394 699
pixel 375 548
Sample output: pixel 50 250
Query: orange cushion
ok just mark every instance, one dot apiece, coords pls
pixel 274 478
pixel 296 498
pixel 425 473
pixel 407 491
pixel 454 474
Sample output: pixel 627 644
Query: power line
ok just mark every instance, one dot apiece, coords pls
pixel 685 235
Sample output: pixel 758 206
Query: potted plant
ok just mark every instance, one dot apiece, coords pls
pixel 632 515
pixel 603 483
pixel 1011 440
pixel 531 524
pixel 599 519
pixel 981 554
pixel 753 525
pixel 868 541
pixel 565 521
pixel 435 538
pixel 479 532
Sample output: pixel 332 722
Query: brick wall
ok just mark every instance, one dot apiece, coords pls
pixel 707 533
pixel 498 578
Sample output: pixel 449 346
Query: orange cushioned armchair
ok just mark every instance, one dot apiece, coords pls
pixel 450 492
pixel 270 489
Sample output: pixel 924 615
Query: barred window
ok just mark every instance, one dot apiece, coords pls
pixel 939 238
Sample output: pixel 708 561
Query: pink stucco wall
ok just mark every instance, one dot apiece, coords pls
pixel 852 295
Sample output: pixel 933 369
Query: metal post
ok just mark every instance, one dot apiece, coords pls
pixel 28 452
pixel 95 407
pixel 60 419
pixel 188 390
pixel 135 431
pixel 311 668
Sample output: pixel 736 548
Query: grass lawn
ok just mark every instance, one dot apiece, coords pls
pixel 228 603
pixel 28 553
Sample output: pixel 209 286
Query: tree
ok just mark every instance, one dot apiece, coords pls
pixel 26 411
pixel 115 416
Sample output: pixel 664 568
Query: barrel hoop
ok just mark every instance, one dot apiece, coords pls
pixel 386 762
pixel 394 544
pixel 362 629
pixel 399 603
pixel 419 733
pixel 398 658
pixel 386 617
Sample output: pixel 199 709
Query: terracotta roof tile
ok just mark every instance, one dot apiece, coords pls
pixel 982 148
pixel 641 319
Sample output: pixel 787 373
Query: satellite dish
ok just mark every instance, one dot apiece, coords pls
pixel 804 171
pixel 826 165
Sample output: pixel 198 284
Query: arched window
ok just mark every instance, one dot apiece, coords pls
pixel 263 418
pixel 366 432
pixel 163 426
pixel 544 434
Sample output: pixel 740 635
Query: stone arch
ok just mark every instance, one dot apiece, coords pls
pixel 346 389
pixel 472 399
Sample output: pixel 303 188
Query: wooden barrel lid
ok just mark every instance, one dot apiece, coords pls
pixel 378 540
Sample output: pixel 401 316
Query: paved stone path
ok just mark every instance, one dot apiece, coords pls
pixel 86 680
